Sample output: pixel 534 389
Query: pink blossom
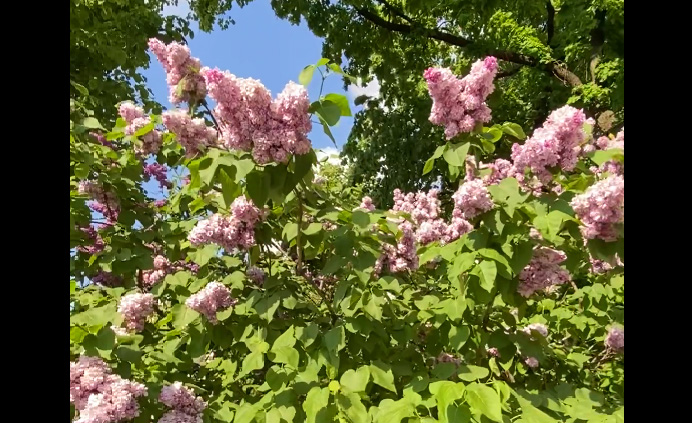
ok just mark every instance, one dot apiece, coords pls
pixel 193 134
pixel 229 232
pixel 158 172
pixel 182 71
pixel 105 202
pixel 401 257
pixel 459 104
pixel 499 170
pixel 556 143
pixel 493 352
pixel 601 207
pixel 615 340
pixel 256 275
pixel 182 398
pixel 108 279
pixel 543 271
pixel 540 328
pixel 532 362
pixel 101 396
pixel 97 243
pixel 136 308
pixel 215 296
pixel 366 204
pixel 471 199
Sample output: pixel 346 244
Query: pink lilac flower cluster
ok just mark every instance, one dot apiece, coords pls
pixel 159 203
pixel 135 309
pixel 602 266
pixel 471 199
pixel 185 406
pixel 532 362
pixel 101 139
pixel 163 267
pixel 104 202
pixel 229 232
pixel 601 207
pixel 366 204
pixel 543 271
pixel 556 143
pixel 251 121
pixel 613 167
pixel 182 71
pixel 615 340
pixel 328 226
pixel 97 243
pixel 193 134
pixel 136 119
pixel 215 296
pixel 256 275
pixel 536 327
pixel 605 143
pixel 101 396
pixel 459 104
pixel 158 172
pixel 499 170
pixel 402 256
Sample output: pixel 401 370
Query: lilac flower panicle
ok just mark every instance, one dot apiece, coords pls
pixel 101 396
pixel 229 232
pixel 536 327
pixel 459 104
pixel 601 207
pixel 158 172
pixel 185 406
pixel 532 362
pixel 182 71
pixel 214 297
pixel 135 309
pixel 256 275
pixel 543 271
pixel 366 204
pixel 471 199
pixel 615 340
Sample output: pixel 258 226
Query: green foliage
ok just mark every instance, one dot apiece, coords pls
pixel 325 339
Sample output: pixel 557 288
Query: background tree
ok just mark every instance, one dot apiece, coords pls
pixel 551 53
pixel 108 44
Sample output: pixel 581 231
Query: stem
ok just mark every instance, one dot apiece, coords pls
pixel 299 264
pixel 321 84
pixel 216 124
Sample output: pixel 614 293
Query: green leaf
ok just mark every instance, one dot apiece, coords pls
pixel 458 335
pixel 394 411
pixel 439 151
pixel 382 375
pixel 488 273
pixel 335 339
pixel 355 380
pixel 507 192
pixel 491 134
pixel 315 405
pixel 305 75
pixel 144 129
pixel 202 255
pixel 446 393
pixel 514 130
pixel 601 156
pixel 531 413
pixel 428 166
pixel 485 400
pixel 351 406
pixel 287 339
pixel 290 231
pixel 286 355
pixel 312 228
pixel 456 155
pixel 251 362
pixel 341 101
pixel 470 373
pixel 328 111
pixel 92 123
pixel 183 315
pixel 322 61
pixel 246 413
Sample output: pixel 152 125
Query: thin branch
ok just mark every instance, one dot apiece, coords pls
pixel 216 124
pixel 508 73
pixel 555 68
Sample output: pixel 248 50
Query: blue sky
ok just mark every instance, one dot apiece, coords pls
pixel 264 47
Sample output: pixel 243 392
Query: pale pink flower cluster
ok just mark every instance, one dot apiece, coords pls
pixel 186 407
pixel 424 209
pixel 543 271
pixel 459 104
pixel 402 256
pixel 229 232
pixel 251 121
pixel 615 340
pixel 163 267
pixel 601 266
pixel 182 71
pixel 601 207
pixel 471 199
pixel 613 167
pixel 532 362
pixel 556 143
pixel 135 309
pixel 499 170
pixel 104 202
pixel 328 226
pixel 159 203
pixel 97 243
pixel 605 143
pixel 366 204
pixel 215 296
pixel 193 134
pixel 493 352
pixel 448 358
pixel 536 327
pixel 256 275
pixel 101 396
pixel 135 118
pixel 158 172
